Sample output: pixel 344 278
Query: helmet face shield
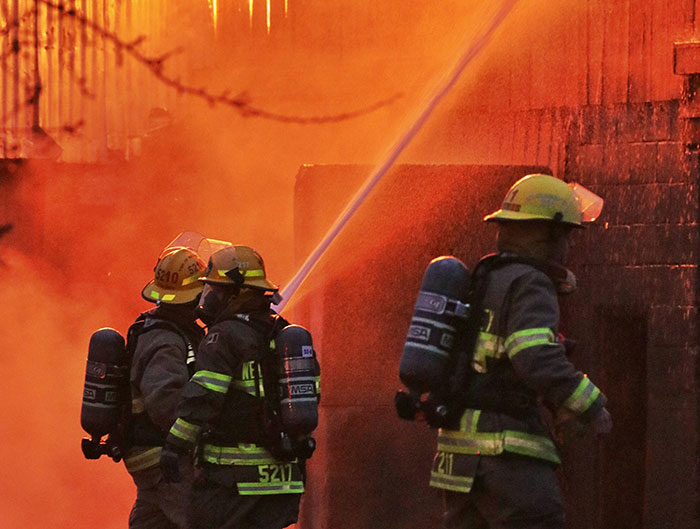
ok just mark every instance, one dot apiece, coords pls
pixel 591 204
pixel 203 246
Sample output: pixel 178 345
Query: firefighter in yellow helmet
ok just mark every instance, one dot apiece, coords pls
pixel 243 482
pixel 495 458
pixel 163 342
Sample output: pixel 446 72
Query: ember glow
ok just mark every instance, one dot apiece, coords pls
pixel 267 16
pixel 213 6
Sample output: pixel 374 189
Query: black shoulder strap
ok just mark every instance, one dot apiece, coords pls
pixel 460 381
pixel 466 341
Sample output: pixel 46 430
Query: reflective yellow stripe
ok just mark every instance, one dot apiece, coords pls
pixel 185 431
pixel 530 445
pixel 243 454
pixel 211 380
pixel 583 396
pixel 487 346
pixel 485 443
pixel 520 340
pixel 449 482
pixel 249 387
pixel 168 297
pixel 245 273
pixel 495 443
pixel 260 489
pixel 469 421
pixel 141 459
pixel 317 380
pixel 190 280
pixel 155 294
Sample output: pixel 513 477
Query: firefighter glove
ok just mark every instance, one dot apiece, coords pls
pixel 170 464
pixel 567 425
pixel 602 422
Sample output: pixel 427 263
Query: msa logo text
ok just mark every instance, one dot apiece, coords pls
pixel 419 332
pixel 301 389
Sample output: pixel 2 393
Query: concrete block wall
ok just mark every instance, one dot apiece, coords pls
pixel 638 269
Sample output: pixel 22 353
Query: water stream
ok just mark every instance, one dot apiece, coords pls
pixel 471 50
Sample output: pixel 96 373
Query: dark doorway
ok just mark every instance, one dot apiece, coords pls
pixel 622 339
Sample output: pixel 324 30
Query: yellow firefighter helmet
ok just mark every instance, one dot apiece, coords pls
pixel 176 277
pixel 544 197
pixel 237 265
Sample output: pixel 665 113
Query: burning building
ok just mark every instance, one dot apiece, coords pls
pixel 118 132
pixel 603 94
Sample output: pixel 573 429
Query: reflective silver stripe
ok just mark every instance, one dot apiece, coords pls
pixel 104 386
pixel 526 338
pixel 434 323
pixel 310 379
pixel 449 482
pixel 430 348
pixel 140 459
pixel 257 489
pixel 298 399
pixel 583 396
pixel 99 405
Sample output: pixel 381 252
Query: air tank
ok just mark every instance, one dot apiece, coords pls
pixel 439 311
pixel 105 390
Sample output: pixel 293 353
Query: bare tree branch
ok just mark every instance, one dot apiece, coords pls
pixel 155 65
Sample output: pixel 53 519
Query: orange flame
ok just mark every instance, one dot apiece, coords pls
pixel 213 6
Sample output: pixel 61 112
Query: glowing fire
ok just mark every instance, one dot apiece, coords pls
pixel 213 6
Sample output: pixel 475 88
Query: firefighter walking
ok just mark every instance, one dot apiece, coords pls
pixel 495 460
pixel 163 342
pixel 251 470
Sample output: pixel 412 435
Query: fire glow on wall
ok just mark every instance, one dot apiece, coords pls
pixel 250 8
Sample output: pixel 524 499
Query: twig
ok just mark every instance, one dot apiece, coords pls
pixel 155 65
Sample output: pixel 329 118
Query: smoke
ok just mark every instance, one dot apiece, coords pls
pixel 86 236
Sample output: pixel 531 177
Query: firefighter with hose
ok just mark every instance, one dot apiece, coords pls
pixel 496 460
pixel 251 405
